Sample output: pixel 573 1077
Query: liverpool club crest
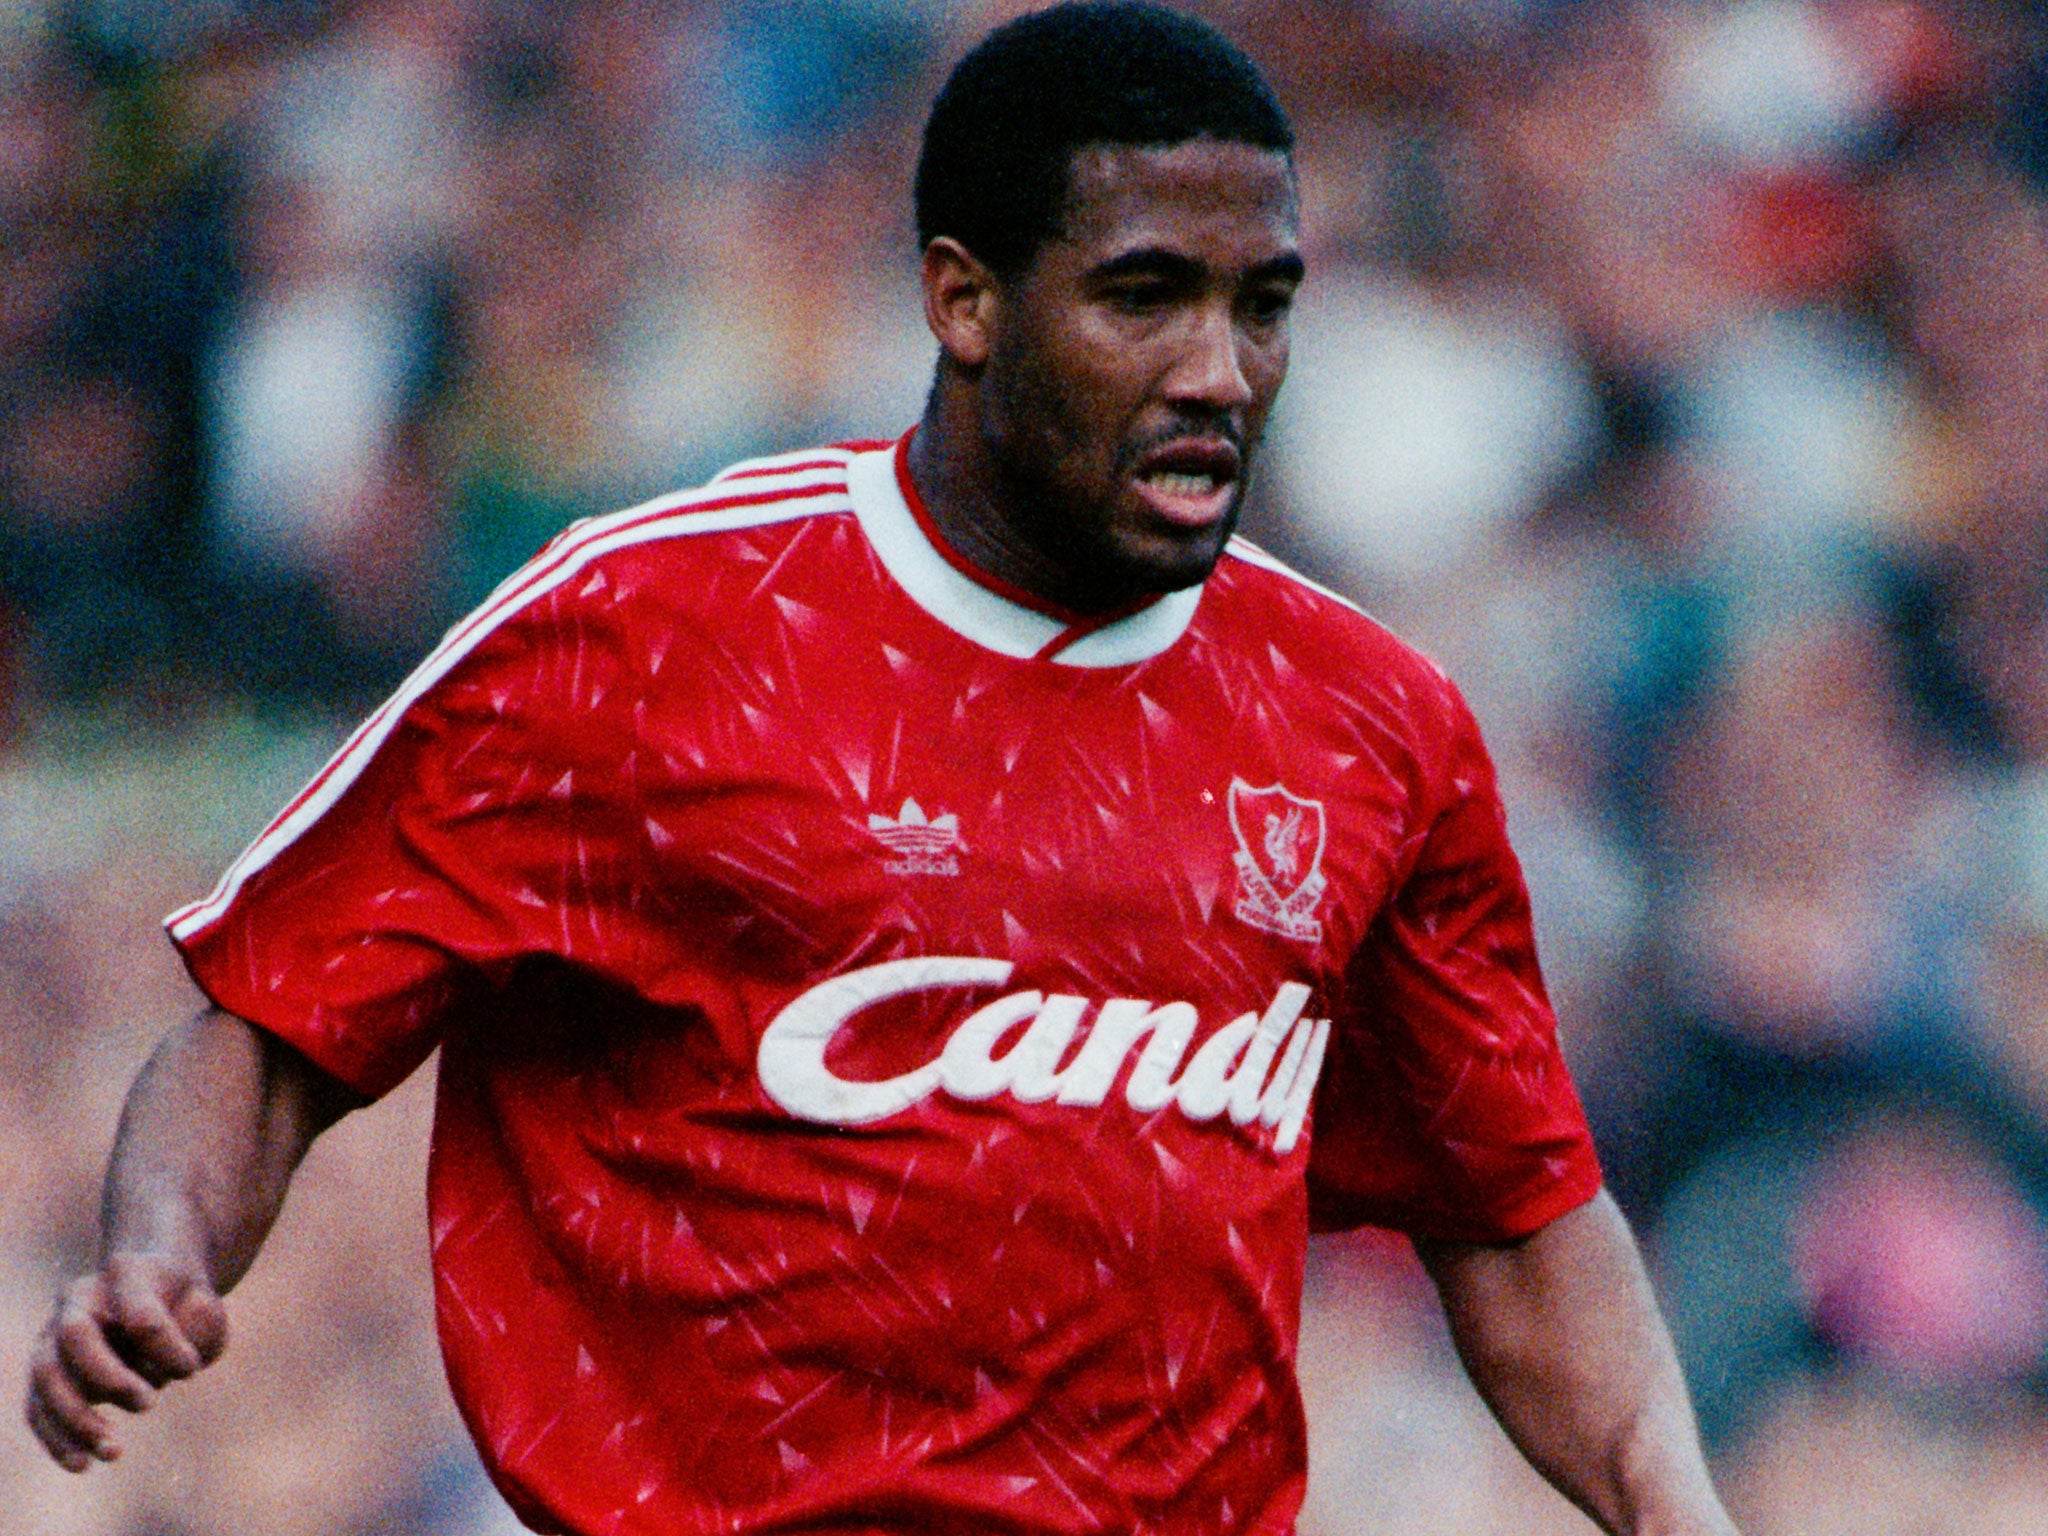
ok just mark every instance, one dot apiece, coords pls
pixel 1280 880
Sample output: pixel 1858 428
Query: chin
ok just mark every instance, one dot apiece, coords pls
pixel 1174 568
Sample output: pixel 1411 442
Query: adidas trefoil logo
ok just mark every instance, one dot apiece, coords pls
pixel 921 845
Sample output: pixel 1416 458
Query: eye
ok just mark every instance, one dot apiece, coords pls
pixel 1141 298
pixel 1267 306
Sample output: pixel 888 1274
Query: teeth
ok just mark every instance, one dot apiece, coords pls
pixel 1183 485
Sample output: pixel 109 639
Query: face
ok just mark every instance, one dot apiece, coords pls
pixel 1132 365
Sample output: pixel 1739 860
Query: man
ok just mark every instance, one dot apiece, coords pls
pixel 888 917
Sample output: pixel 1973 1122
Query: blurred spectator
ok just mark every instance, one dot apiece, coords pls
pixel 308 386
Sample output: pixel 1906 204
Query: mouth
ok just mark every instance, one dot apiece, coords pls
pixel 1190 482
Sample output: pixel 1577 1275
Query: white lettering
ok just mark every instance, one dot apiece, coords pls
pixel 1272 1102
pixel 1247 1083
pixel 1204 1088
pixel 1230 1068
pixel 1292 1111
pixel 970 1069
pixel 792 1056
pixel 1035 1075
pixel 1117 1028
pixel 1233 1069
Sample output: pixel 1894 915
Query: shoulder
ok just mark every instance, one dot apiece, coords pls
pixel 670 550
pixel 1333 634
pixel 1336 663
pixel 789 488
pixel 1279 595
pixel 629 585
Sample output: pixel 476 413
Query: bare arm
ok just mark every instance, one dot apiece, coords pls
pixel 1564 1341
pixel 214 1125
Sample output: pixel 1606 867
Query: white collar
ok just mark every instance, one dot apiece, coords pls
pixel 978 612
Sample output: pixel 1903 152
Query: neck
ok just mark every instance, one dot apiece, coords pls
pixel 978 509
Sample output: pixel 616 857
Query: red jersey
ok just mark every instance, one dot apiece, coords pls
pixel 896 1040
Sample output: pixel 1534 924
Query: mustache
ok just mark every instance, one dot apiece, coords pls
pixel 1186 424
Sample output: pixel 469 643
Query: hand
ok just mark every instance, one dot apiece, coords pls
pixel 116 1336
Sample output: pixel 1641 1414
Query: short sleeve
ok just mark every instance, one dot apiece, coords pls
pixel 1445 1108
pixel 484 814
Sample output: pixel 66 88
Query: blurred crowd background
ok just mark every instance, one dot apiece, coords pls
pixel 1676 372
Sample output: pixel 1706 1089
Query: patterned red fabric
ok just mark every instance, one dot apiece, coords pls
pixel 877 1057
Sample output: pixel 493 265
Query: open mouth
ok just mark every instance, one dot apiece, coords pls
pixel 1190 482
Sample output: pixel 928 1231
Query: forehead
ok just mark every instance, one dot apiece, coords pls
pixel 1127 196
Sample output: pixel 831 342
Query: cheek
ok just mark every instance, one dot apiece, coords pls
pixel 1266 370
pixel 1265 354
pixel 1070 402
pixel 1017 388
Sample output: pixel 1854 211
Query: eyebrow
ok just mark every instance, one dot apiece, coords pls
pixel 1289 268
pixel 1157 261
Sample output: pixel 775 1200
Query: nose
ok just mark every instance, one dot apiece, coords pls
pixel 1210 369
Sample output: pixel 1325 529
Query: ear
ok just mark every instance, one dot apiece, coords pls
pixel 961 298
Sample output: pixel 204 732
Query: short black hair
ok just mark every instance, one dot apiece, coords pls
pixel 1001 138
